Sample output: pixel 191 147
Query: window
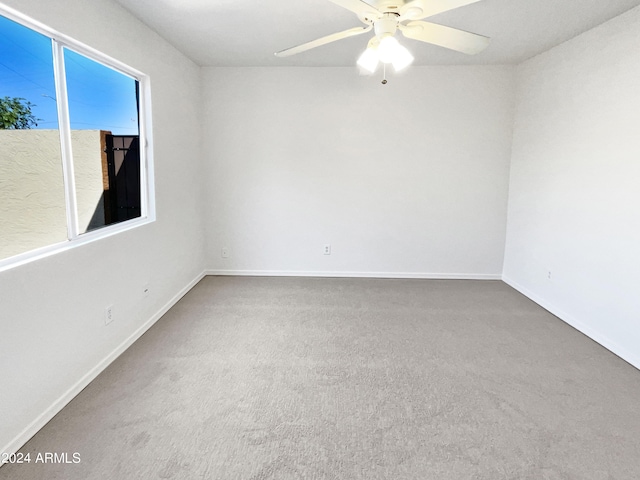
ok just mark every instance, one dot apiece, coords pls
pixel 74 155
pixel 103 113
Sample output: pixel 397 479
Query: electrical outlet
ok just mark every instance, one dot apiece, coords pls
pixel 225 252
pixel 146 290
pixel 327 249
pixel 108 315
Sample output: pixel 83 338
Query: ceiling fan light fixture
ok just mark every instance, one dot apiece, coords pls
pixel 385 18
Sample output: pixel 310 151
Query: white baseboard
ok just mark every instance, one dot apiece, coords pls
pixel 33 428
pixel 295 273
pixel 597 336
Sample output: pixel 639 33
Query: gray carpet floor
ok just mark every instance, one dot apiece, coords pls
pixel 308 378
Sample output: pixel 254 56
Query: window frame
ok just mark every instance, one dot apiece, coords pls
pixel 75 238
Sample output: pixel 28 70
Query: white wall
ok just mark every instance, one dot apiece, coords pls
pixel 52 332
pixel 574 205
pixel 406 179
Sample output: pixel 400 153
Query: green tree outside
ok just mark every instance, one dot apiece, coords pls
pixel 16 114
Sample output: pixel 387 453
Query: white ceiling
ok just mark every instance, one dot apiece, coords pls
pixel 247 33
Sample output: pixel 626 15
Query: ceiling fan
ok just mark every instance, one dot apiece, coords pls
pixel 385 17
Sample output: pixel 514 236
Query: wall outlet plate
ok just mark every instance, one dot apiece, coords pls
pixel 108 315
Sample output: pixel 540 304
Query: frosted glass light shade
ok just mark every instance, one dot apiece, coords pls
pixel 402 58
pixel 369 60
pixel 387 49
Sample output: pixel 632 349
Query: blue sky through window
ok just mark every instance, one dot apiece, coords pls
pixel 100 98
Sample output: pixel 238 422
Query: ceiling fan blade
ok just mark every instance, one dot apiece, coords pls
pixel 447 37
pixel 356 6
pixel 418 9
pixel 323 41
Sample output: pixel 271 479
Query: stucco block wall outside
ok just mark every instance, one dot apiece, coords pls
pixel 33 211
pixel 87 164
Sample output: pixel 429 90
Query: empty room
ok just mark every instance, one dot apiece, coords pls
pixel 330 239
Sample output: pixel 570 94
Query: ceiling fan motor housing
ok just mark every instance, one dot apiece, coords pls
pixel 386 26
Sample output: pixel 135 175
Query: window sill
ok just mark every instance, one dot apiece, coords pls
pixel 85 238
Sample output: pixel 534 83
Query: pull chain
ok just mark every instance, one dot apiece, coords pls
pixel 384 73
